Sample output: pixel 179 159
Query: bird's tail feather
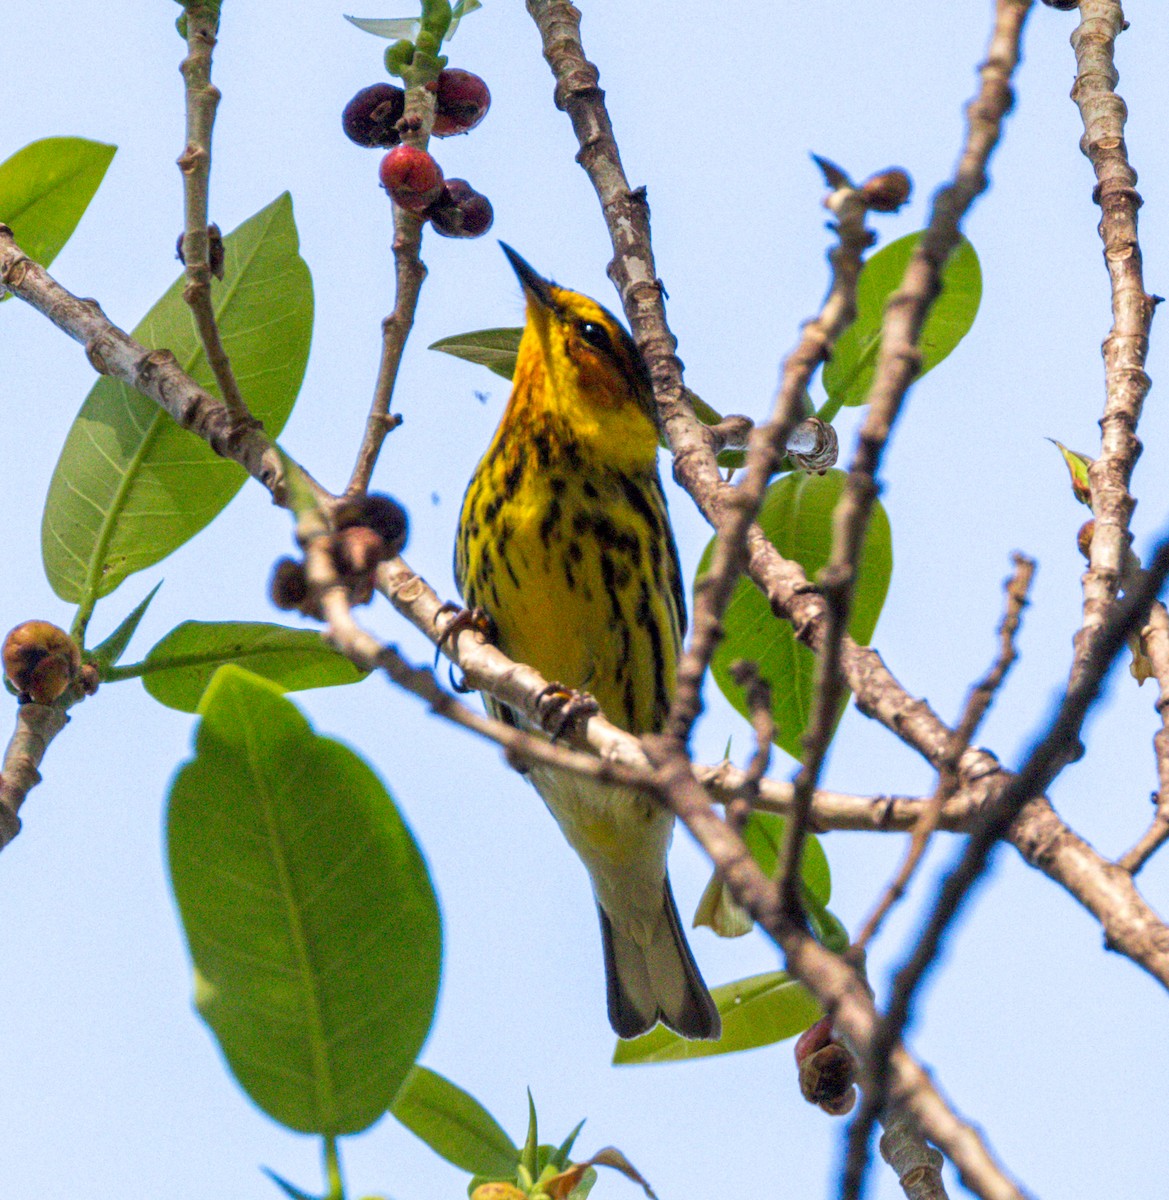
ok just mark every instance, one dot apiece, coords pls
pixel 658 981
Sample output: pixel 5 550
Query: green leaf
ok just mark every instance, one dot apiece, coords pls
pixel 454 1125
pixel 178 669
pixel 308 911
pixel 494 349
pixel 560 1159
pixel 289 1189
pixel 108 653
pixel 763 833
pixel 755 1012
pixel 797 518
pixel 849 373
pixel 46 187
pixel 1077 465
pixel 131 486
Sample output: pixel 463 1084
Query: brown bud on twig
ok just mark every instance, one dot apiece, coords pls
pixel 40 661
pixel 288 587
pixel 88 679
pixel 381 513
pixel 827 1069
pixel 357 550
pixel 1062 5
pixel 887 191
pixel 1084 538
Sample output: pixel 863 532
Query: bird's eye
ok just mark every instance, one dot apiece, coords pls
pixel 595 334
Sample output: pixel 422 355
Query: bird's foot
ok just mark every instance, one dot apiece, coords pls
pixel 477 619
pixel 560 708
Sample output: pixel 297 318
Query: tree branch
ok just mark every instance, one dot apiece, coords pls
pixel 195 165
pixel 1125 349
pixel 154 373
pixel 1053 752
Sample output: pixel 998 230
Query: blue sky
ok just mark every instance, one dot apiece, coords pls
pixel 109 1083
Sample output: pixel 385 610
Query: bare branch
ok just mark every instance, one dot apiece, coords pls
pixel 195 164
pixel 1126 347
pixel 36 726
pixel 154 373
pixel 409 273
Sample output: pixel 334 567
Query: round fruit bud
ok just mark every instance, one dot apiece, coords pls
pixel 381 513
pixel 1064 5
pixel 1084 538
pixel 827 1075
pixel 412 178
pixel 462 102
pixel 497 1191
pixel 289 584
pixel 460 211
pixel 371 117
pixel 887 191
pixel 814 1038
pixel 40 660
pixel 357 550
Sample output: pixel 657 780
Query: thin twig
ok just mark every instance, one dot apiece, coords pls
pixel 977 704
pixel 758 695
pixel 409 274
pixel 1155 642
pixel 195 164
pixel 1126 347
pixel 1050 755
pixel 36 726
pixel 836 985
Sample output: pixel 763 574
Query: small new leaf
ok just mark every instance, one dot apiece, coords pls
pixel 1077 465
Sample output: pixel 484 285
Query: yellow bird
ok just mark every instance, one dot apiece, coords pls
pixel 564 543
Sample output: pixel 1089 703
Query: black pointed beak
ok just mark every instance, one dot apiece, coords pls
pixel 535 286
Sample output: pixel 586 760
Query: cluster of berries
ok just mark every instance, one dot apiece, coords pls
pixel 368 530
pixel 414 180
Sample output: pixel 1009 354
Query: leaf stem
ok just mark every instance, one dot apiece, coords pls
pixel 333 1169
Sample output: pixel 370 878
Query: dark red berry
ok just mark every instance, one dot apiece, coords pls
pixel 462 102
pixel 412 178
pixel 460 211
pixel 371 117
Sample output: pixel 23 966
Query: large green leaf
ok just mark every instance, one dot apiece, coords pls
pixel 797 518
pixel 131 486
pixel 454 1125
pixel 755 1012
pixel 179 667
pixel 307 908
pixel 849 373
pixel 46 187
pixel 494 349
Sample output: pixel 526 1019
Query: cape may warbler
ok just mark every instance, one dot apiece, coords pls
pixel 565 544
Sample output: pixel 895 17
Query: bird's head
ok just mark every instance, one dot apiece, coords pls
pixel 577 361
